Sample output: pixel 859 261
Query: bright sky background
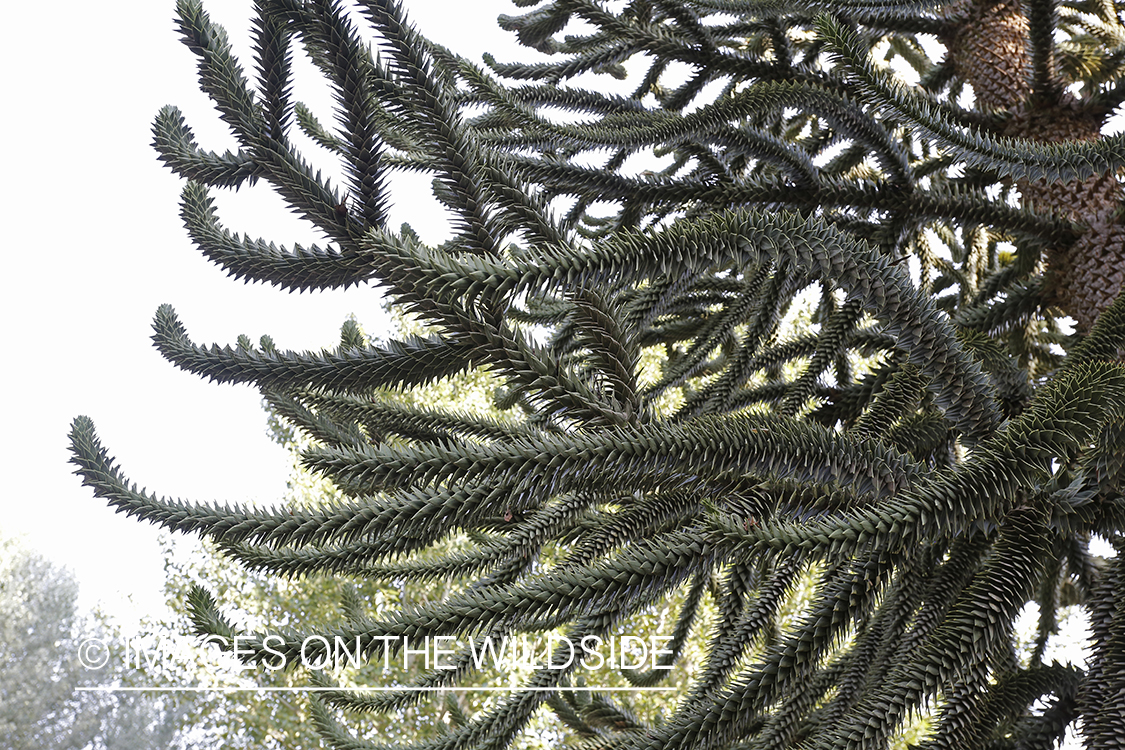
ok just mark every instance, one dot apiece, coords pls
pixel 95 244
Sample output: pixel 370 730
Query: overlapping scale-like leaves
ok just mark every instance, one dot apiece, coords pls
pixel 838 520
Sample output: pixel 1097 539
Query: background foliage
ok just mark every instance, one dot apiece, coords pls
pixel 41 639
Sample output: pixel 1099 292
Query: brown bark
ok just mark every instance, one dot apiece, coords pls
pixel 990 50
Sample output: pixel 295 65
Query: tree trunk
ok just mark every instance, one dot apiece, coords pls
pixel 991 50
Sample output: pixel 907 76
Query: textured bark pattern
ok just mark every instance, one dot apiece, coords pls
pixel 990 51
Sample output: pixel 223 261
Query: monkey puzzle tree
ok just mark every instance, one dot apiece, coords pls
pixel 929 495
pixel 279 720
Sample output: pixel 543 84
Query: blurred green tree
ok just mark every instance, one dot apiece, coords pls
pixel 41 635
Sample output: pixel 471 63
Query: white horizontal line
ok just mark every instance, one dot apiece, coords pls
pixel 221 689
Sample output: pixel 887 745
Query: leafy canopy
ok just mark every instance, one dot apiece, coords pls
pixel 934 453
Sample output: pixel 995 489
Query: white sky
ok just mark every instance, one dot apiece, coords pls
pixel 95 244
